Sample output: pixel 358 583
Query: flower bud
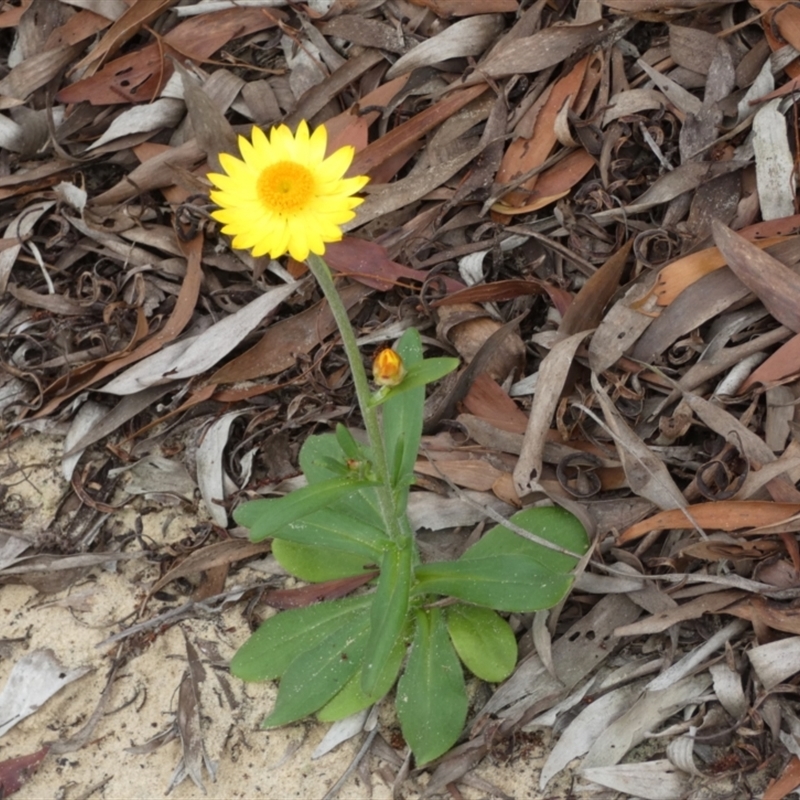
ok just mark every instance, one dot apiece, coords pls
pixel 387 368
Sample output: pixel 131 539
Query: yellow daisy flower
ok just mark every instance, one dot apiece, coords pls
pixel 285 196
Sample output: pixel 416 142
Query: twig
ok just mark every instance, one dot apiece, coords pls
pixel 174 615
pixel 500 519
pixel 336 788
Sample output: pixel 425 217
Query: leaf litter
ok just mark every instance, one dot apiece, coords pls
pixel 615 183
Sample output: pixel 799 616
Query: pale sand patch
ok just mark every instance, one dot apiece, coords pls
pixel 251 762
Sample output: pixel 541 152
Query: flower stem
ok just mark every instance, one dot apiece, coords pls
pixel 369 413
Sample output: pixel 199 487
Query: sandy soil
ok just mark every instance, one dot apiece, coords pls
pixel 74 622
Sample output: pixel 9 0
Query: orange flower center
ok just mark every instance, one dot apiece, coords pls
pixel 285 187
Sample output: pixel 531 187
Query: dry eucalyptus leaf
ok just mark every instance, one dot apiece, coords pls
pixel 651 780
pixel 195 355
pixel 774 162
pixel 552 375
pixel 34 679
pixel 468 37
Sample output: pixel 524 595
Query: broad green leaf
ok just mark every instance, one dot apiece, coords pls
pixel 427 371
pixel 402 418
pixel 353 698
pixel 315 564
pixel 282 638
pixel 431 698
pixel 316 675
pixel 388 614
pixel 336 531
pixel 267 517
pixel 314 455
pixel 483 640
pixel 508 572
pixel 503 582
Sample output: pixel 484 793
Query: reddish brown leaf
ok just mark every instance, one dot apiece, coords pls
pixel 369 264
pixel 724 515
pixel 400 137
pixel 307 595
pixel 783 363
pixel 139 15
pixel 489 401
pixel 788 781
pixel 137 77
pixel 525 154
pixel 16 772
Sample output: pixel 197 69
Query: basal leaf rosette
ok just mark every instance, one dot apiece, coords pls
pixel 284 195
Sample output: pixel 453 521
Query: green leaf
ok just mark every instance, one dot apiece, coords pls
pixel 314 455
pixel 346 441
pixel 336 531
pixel 315 564
pixel 483 640
pixel 267 517
pixel 503 582
pixel 353 698
pixel 431 697
pixel 282 638
pixel 427 371
pixel 508 572
pixel 388 614
pixel 402 418
pixel 316 675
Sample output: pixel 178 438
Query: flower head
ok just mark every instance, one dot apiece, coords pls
pixel 285 196
pixel 388 368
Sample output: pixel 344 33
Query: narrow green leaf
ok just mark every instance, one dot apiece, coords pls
pixel 314 563
pixel 431 697
pixel 483 640
pixel 282 638
pixel 428 371
pixel 402 417
pixel 266 517
pixel 346 441
pixel 388 614
pixel 316 675
pixel 353 698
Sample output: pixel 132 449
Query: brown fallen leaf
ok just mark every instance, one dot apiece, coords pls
pixel 586 310
pixel 368 263
pixel 138 16
pixel 77 381
pixel 782 364
pixel 724 515
pixel 777 286
pixel 138 77
pixel 214 555
pixel 528 153
pixel 411 131
pixel 284 341
pixel 786 783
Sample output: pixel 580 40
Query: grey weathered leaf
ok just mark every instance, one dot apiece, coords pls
pixel 189 357
pixel 34 679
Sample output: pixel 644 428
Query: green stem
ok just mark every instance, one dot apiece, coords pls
pixel 369 413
